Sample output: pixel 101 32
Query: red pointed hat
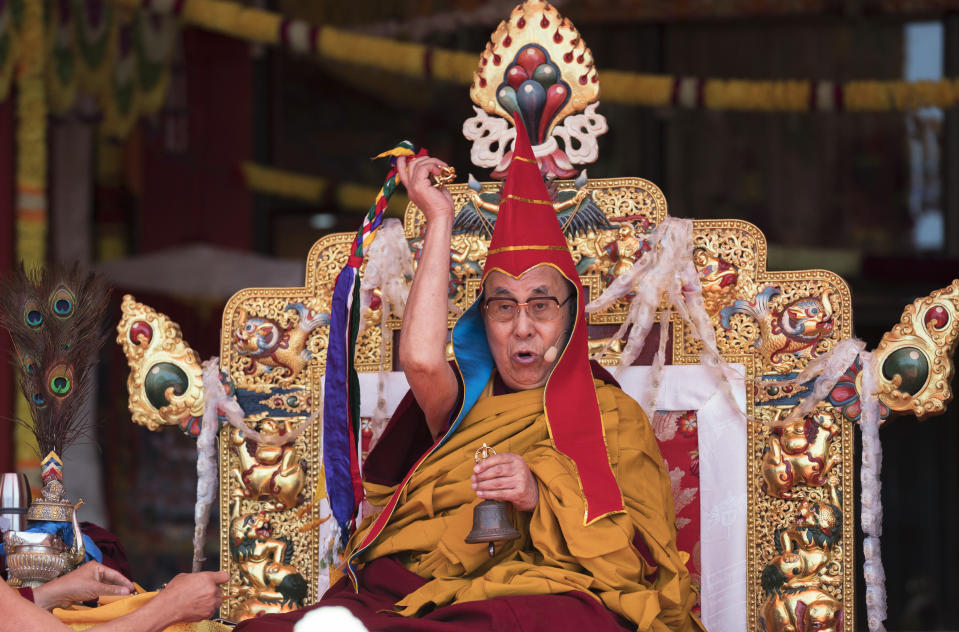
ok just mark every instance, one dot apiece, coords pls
pixel 527 234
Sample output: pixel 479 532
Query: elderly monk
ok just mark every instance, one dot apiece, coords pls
pixel 575 457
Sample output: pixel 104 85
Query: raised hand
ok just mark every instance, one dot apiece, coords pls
pixel 423 337
pixel 505 476
pixel 415 174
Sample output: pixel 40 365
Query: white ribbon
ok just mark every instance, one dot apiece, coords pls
pixel 389 265
pixel 871 500
pixel 206 471
pixel 667 269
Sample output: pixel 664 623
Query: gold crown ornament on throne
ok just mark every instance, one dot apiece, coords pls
pixel 762 336
pixel 536 63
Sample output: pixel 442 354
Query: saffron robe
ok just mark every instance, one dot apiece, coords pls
pixel 627 562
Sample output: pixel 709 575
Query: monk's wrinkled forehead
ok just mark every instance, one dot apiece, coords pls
pixel 542 280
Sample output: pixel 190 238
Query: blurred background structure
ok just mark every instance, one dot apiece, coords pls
pixel 189 149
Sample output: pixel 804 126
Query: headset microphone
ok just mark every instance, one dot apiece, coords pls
pixel 552 351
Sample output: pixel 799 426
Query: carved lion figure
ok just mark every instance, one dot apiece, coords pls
pixel 272 347
pixel 798 453
pixel 268 472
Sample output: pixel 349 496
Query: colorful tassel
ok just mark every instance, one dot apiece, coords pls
pixel 341 404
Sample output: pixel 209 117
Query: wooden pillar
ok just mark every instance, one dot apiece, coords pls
pixel 7 214
pixel 31 178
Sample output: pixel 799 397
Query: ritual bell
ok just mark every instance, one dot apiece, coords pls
pixel 491 522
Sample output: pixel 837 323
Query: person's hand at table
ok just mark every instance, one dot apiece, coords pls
pixel 192 596
pixel 86 583
pixel 505 476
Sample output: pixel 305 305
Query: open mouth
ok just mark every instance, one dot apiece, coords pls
pixel 524 357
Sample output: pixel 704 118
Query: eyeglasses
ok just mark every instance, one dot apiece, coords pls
pixel 541 308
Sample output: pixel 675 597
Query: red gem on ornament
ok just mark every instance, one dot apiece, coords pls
pixel 515 76
pixel 521 23
pixel 568 58
pixel 555 98
pixel 544 22
pixel 485 61
pixel 482 82
pixel 139 329
pixel 938 316
pixel 507 41
pixel 582 80
pixel 496 60
pixel 595 79
pixel 557 37
pixel 531 58
pixel 579 59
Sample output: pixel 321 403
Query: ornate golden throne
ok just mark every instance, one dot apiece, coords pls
pixel 764 502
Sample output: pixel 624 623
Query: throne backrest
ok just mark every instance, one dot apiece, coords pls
pixel 770 324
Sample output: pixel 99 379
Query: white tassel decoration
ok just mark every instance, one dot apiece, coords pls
pixel 667 269
pixel 871 498
pixel 206 457
pixel 389 267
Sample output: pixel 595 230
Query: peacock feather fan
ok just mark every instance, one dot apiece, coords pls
pixel 55 319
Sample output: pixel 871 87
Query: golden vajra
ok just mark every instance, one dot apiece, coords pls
pixel 447 175
pixel 482 453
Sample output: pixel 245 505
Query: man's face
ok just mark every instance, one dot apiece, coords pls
pixel 518 345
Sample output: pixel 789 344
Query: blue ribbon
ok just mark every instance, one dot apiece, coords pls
pixel 65 531
pixel 337 425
